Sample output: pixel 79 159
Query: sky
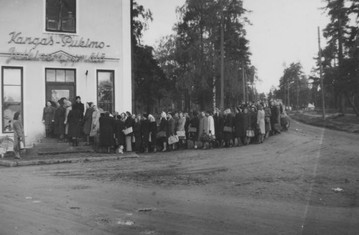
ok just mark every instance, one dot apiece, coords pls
pixel 282 32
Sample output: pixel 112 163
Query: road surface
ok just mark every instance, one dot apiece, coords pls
pixel 304 181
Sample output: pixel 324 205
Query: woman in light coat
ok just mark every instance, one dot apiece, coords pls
pixel 18 134
pixel 261 123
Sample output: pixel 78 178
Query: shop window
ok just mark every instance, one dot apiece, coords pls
pixel 11 95
pixel 105 90
pixel 60 75
pixel 61 16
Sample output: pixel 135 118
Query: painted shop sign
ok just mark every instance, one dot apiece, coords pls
pixel 58 56
pixel 66 41
pixel 63 40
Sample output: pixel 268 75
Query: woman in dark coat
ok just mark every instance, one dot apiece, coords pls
pixel 129 122
pixel 246 125
pixel 153 133
pixel 88 121
pixel 59 119
pixel 120 136
pixel 48 116
pixel 193 129
pixel 218 126
pixel 237 126
pixel 228 127
pixel 145 132
pixel 137 133
pixel 74 119
pixel 107 131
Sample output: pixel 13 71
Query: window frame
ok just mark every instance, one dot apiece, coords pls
pixel 3 68
pixel 113 87
pixel 61 30
pixel 55 83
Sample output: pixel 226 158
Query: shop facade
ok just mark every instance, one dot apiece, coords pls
pixel 51 49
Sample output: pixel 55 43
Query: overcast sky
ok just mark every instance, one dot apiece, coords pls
pixel 282 32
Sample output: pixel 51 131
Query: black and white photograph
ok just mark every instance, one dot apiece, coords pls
pixel 171 117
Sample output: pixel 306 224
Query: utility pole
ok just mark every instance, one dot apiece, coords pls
pixel 222 58
pixel 320 74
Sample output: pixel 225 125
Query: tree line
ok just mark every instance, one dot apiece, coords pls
pixel 184 70
pixel 340 62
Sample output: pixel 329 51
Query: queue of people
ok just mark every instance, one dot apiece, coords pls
pixel 126 132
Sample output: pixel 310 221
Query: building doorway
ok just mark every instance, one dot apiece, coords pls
pixel 60 83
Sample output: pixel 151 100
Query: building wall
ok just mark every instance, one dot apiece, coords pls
pixel 106 22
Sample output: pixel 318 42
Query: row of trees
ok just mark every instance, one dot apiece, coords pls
pixel 340 61
pixel 209 41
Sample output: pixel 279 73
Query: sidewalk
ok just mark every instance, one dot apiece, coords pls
pixel 49 151
pixel 347 123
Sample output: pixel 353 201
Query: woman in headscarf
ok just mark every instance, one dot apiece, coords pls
pixel 18 134
pixel 59 118
pixel 193 129
pixel 68 108
pixel 153 133
pixel 162 132
pixel 48 116
pixel 129 122
pixel 75 119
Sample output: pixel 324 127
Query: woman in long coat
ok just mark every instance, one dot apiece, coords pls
pixel 193 129
pixel 228 127
pixel 48 116
pixel 268 115
pixel 261 124
pixel 246 125
pixel 88 121
pixel 74 132
pixel 107 131
pixel 120 136
pixel 218 126
pixel 238 126
pixel 162 132
pixel 153 133
pixel 59 119
pixel 18 134
pixel 129 122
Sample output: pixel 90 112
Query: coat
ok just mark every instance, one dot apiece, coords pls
pixel 48 116
pixel 238 125
pixel 171 127
pixel 218 126
pixel 88 121
pixel 120 136
pixel 95 124
pixel 261 121
pixel 194 122
pixel 107 127
pixel 74 119
pixel 18 134
pixel 246 119
pixel 59 119
pixel 228 121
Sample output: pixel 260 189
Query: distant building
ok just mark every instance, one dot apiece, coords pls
pixel 62 48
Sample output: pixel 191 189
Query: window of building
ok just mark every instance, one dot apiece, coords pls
pixel 60 75
pixel 105 90
pixel 61 16
pixel 11 95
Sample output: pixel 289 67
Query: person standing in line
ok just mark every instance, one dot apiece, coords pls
pixel 145 132
pixel 228 127
pixel 237 126
pixel 48 118
pixel 68 108
pixel 59 118
pixel 171 129
pixel 18 134
pixel 268 115
pixel 88 121
pixel 153 133
pixel 162 132
pixel 193 129
pixel 219 125
pixel 75 131
pixel 120 136
pixel 129 124
pixel 180 130
pixel 261 124
pixel 137 134
pixel 107 132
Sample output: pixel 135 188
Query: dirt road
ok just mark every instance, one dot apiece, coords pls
pixel 284 186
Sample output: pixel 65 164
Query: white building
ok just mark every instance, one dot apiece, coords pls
pixel 62 48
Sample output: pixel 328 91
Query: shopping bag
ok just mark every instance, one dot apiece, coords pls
pixel 181 133
pixel 227 129
pixel 250 133
pixel 128 131
pixel 173 139
pixel 22 145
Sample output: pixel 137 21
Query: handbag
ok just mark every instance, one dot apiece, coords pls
pixel 250 133
pixel 192 129
pixel 22 146
pixel 227 129
pixel 128 130
pixel 173 139
pixel 161 134
pixel 181 133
